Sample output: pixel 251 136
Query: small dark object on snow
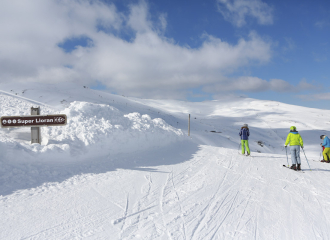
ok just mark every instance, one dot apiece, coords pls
pixel 260 143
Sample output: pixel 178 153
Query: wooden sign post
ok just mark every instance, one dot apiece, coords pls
pixel 35 121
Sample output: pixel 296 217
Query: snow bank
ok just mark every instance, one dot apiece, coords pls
pixel 93 130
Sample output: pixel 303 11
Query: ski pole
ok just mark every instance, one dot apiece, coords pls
pixel 286 150
pixel 239 146
pixel 306 158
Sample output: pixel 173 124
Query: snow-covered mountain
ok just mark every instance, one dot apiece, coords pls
pixel 125 168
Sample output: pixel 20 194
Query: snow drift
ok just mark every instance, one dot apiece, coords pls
pixel 92 130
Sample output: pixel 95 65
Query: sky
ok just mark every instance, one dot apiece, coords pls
pixel 192 50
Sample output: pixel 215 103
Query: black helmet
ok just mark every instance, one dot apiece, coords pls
pixel 321 137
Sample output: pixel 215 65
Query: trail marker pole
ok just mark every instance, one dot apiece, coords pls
pixel 189 125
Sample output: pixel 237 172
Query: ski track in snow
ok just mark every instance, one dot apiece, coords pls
pixel 188 202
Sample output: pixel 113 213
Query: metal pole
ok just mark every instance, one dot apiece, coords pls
pixel 306 159
pixel 287 156
pixel 35 131
pixel 189 125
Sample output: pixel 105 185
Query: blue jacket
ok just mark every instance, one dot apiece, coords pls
pixel 326 142
pixel 244 133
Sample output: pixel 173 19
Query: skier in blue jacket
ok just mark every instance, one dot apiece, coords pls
pixel 245 133
pixel 326 145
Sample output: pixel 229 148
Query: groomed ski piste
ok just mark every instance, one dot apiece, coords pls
pixel 125 168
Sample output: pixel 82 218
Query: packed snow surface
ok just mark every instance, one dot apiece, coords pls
pixel 125 168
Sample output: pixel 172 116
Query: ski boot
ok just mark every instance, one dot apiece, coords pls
pixel 299 168
pixel 293 167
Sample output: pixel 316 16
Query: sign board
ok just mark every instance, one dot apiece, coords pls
pixel 33 121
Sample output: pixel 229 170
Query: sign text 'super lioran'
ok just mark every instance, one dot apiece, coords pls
pixel 33 121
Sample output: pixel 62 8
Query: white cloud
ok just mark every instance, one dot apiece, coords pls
pixel 255 84
pixel 322 24
pixel 279 85
pixel 304 85
pixel 319 57
pixel 30 32
pixel 162 22
pixel 236 11
pixel 289 45
pixel 315 97
pixel 246 84
pixel 147 65
pixel 138 19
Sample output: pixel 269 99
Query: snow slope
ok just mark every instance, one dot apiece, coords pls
pixel 124 168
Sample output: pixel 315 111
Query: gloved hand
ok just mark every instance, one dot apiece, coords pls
pixel 321 144
pixel 302 146
pixel 285 145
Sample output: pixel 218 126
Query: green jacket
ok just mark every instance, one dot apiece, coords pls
pixel 294 139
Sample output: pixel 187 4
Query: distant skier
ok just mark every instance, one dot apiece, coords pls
pixel 326 146
pixel 295 141
pixel 245 133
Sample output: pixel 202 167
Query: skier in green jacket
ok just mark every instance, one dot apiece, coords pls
pixel 295 141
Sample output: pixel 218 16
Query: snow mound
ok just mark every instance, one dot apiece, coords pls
pixel 95 130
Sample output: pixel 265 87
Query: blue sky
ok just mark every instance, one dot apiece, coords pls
pixel 193 50
pixel 300 33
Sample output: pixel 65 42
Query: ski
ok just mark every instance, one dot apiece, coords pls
pixel 320 161
pixel 292 169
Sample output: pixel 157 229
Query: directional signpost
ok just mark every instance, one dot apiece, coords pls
pixel 34 121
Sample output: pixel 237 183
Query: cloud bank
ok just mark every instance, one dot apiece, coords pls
pixel 126 52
